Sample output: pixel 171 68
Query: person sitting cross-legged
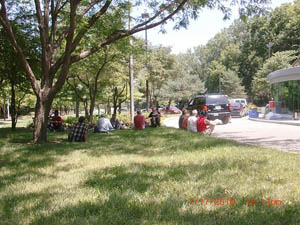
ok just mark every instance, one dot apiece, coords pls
pixel 155 117
pixel 139 121
pixel 115 122
pixel 56 122
pixel 79 131
pixel 204 125
pixel 192 121
pixel 185 120
pixel 181 118
pixel 103 125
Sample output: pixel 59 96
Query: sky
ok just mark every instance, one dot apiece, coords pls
pixel 199 32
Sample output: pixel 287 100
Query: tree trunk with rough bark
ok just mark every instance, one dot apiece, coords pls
pixel 41 121
pixel 77 107
pixel 54 40
pixel 13 107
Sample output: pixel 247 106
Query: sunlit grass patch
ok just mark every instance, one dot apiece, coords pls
pixel 144 177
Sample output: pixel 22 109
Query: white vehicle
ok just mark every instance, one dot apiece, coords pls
pixel 239 100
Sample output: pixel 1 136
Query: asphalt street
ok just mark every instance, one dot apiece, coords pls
pixel 280 136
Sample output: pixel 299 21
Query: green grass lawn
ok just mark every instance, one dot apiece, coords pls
pixel 145 177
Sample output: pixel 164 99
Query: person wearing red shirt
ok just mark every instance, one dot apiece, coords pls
pixel 139 121
pixel 56 122
pixel 203 123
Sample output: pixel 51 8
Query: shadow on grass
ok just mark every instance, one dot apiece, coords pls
pixel 137 193
pixel 120 209
pixel 132 201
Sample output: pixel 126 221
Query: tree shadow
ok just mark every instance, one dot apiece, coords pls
pixel 129 188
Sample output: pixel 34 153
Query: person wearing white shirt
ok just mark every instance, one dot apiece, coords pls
pixel 192 121
pixel 104 125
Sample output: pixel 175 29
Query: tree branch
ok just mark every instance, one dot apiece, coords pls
pixel 90 6
pixel 125 33
pixel 91 22
pixel 76 91
pixel 7 26
pixel 68 49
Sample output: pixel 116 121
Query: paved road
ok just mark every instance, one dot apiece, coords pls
pixel 285 137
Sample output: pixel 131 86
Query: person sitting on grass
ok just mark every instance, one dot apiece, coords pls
pixel 155 117
pixel 103 125
pixel 79 132
pixel 204 125
pixel 115 122
pixel 185 120
pixel 56 122
pixel 192 121
pixel 139 121
pixel 181 118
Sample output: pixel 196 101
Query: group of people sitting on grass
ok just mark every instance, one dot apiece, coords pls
pixel 140 122
pixel 196 122
pixel 79 131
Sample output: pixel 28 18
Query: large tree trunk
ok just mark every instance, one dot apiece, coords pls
pixel 41 121
pixel 86 110
pixel 115 100
pixel 13 106
pixel 147 96
pixel 92 106
pixel 77 107
pixel 108 107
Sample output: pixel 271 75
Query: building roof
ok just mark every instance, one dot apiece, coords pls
pixel 284 75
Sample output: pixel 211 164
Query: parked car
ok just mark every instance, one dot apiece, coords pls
pixel 239 109
pixel 217 106
pixel 240 100
pixel 172 110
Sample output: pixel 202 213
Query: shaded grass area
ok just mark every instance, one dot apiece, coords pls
pixel 144 177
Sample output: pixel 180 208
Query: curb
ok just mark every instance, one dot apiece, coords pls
pixel 276 122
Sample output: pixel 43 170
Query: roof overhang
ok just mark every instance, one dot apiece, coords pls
pixel 284 75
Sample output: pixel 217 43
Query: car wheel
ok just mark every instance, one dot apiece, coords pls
pixel 225 120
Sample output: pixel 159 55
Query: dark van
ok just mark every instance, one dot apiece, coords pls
pixel 217 106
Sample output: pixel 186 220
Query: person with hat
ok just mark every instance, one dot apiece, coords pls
pixel 204 125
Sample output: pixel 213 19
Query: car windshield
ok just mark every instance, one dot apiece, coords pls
pixel 216 99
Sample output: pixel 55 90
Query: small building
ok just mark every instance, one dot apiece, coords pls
pixel 286 89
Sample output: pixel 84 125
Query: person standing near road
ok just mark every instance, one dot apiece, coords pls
pixel 192 121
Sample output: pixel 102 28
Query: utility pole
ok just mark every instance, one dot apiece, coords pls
pixel 131 76
pixel 145 15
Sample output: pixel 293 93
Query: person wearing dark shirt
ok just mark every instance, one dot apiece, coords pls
pixel 79 131
pixel 115 122
pixel 139 121
pixel 56 122
pixel 155 118
pixel 183 115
